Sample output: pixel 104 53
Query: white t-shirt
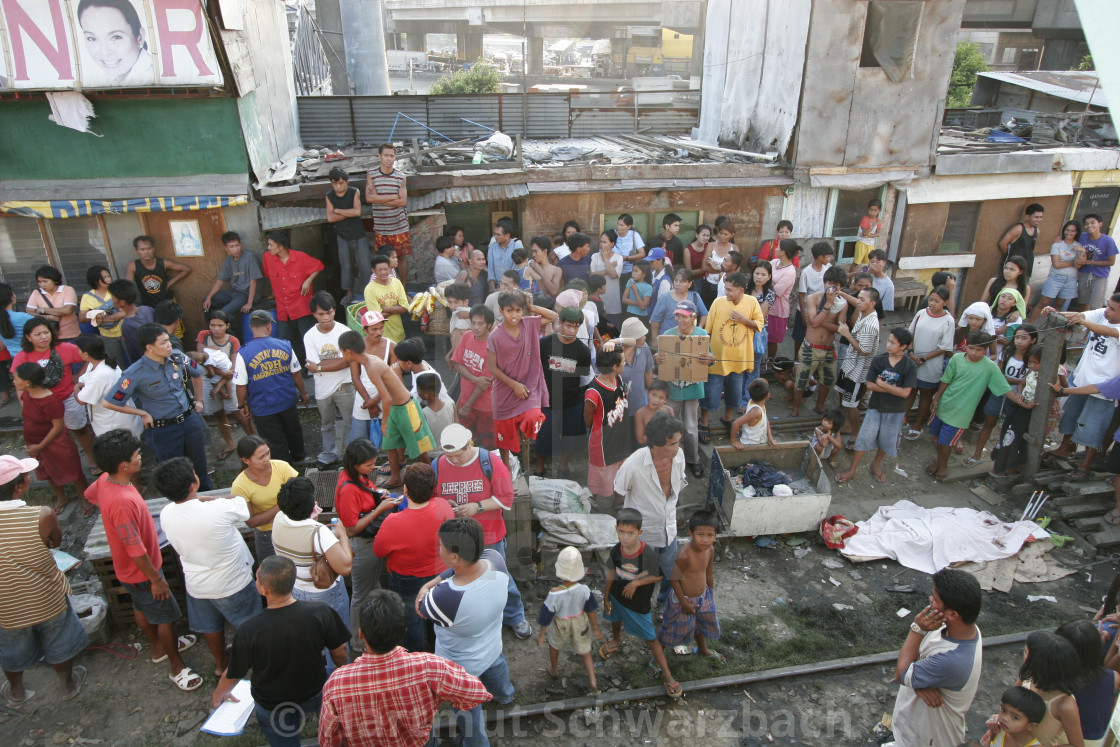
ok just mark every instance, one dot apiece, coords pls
pixel 216 561
pixel 561 251
pixel 443 395
pixel 811 281
pixel 323 346
pixel 360 412
pixel 932 333
pixel 612 297
pixel 954 668
pixel 1100 360
pixel 96 383
pixel 218 359
pixel 626 245
pixel 1065 253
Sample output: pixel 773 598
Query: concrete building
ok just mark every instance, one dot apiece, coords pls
pixel 170 149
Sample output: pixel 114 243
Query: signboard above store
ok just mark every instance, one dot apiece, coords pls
pixel 51 45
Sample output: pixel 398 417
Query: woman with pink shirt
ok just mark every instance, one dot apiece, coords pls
pixel 785 277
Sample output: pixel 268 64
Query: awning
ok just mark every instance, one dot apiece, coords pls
pixel 982 187
pixel 84 208
pixel 452 195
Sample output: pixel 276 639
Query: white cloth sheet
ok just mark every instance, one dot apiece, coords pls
pixel 929 539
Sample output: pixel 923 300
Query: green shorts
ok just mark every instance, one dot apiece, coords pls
pixel 408 429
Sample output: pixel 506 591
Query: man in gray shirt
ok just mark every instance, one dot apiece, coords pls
pixel 241 270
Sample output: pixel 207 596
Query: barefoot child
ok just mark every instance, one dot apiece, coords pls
pixel 514 358
pixel 890 379
pixel 1020 712
pixel 658 394
pixel 826 436
pixel 403 424
pixel 633 571
pixel 691 612
pixel 46 436
pixel 567 616
pixel 216 399
pixel 753 426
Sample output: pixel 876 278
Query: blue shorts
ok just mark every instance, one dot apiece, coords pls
pixel 946 435
pixel 210 615
pixel 1060 286
pixel 928 384
pixel 638 624
pixel 880 430
pixel 157 611
pixel 1086 418
pixel 57 640
pixel 994 406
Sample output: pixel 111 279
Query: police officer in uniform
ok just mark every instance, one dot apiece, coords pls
pixel 155 384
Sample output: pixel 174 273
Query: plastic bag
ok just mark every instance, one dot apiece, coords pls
pixel 558 496
pixel 91 611
pixel 498 145
pixel 836 529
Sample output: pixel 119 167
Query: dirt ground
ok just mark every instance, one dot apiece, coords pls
pixel 776 609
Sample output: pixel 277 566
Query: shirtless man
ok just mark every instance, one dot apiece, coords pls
pixel 817 356
pixel 402 422
pixel 548 277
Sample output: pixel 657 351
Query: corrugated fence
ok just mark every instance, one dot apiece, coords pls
pixel 330 120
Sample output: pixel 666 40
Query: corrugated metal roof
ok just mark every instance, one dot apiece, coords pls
pixel 453 195
pixel 1073 85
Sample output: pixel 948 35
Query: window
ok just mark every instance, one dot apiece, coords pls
pixel 79 244
pixel 890 35
pixel 21 253
pixel 649 224
pixel 846 208
pixel 960 228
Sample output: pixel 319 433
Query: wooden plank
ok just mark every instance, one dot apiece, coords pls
pixel 1096 487
pixel 1059 526
pixel 1084 509
pixel 989 496
pixel 1107 538
pixel 958 472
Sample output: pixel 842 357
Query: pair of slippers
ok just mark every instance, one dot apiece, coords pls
pixel 187 679
pixel 77 677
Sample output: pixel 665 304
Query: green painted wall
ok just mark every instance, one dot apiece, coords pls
pixel 142 137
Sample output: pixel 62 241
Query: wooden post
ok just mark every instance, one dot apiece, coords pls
pixel 1051 342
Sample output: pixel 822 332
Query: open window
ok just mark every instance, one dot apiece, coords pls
pixel 890 35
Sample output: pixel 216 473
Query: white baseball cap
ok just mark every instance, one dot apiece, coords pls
pixel 455 437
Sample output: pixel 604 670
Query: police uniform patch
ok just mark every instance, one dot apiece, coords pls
pixel 125 383
pixel 119 395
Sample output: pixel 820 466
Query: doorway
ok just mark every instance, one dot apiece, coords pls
pixel 192 238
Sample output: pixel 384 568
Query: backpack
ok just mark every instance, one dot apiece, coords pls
pixel 483 458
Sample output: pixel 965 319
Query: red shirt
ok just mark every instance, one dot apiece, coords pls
pixel 70 356
pixel 390 699
pixel 472 354
pixel 409 539
pixel 129 528
pixel 769 250
pixel 461 485
pixel 350 500
pixel 287 279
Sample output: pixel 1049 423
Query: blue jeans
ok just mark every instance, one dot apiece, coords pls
pixel 471 724
pixel 408 587
pixel 715 387
pixel 356 251
pixel 338 600
pixel 514 612
pixel 230 302
pixel 281 726
pixel 749 376
pixel 185 439
pixel 666 557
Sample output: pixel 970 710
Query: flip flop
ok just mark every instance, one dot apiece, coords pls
pixel 1112 517
pixel 674 690
pixel 78 675
pixel 703 434
pixel 653 671
pixel 912 435
pixel 842 478
pixel 713 655
pixel 879 476
pixel 970 461
pixel 384 469
pixel 224 453
pixel 185 642
pixel 6 692
pixel 1079 475
pixel 387 486
pixel 186 680
pixel 606 652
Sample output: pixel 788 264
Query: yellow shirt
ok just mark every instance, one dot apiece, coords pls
pixel 732 342
pixel 263 497
pixel 89 303
pixel 393 294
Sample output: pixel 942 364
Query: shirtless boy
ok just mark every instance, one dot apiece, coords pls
pixel 817 356
pixel 691 612
pixel 402 422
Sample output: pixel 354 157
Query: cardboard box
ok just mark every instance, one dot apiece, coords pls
pixel 683 363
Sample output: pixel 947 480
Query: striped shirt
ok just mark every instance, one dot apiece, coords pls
pixel 32 588
pixel 390 699
pixel 387 220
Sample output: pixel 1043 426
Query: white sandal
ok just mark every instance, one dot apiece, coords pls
pixel 184 642
pixel 186 680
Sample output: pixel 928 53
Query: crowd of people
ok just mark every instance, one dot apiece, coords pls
pixel 555 349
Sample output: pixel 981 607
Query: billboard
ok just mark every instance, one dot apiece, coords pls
pixel 97 44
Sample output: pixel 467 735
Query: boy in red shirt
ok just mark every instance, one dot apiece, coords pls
pixel 134 547
pixel 476 409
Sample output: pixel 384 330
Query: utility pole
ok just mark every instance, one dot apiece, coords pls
pixel 1051 340
pixel 363 28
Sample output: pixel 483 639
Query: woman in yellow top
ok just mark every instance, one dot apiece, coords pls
pixel 259 484
pixel 97 299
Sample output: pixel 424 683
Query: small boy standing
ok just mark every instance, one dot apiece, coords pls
pixel 691 612
pixel 658 394
pixel 632 573
pixel 469 357
pixel 437 412
pixel 567 616
pixel 514 358
pixel 891 378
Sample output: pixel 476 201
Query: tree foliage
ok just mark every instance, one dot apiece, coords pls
pixel 480 77
pixel 967 62
pixel 1085 64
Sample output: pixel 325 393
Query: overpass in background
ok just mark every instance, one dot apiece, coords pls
pixel 537 20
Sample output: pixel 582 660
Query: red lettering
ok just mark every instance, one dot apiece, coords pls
pixel 189 39
pixel 57 53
